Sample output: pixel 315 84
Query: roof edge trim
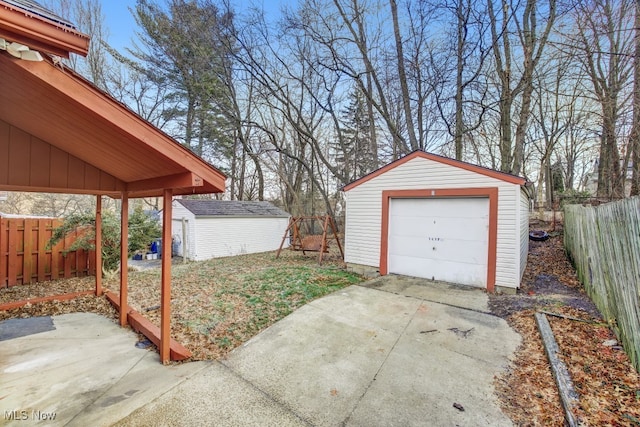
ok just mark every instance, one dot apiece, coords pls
pixel 440 159
pixel 40 33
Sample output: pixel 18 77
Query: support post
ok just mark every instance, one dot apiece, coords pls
pixel 184 240
pixel 335 235
pixel 284 236
pixel 165 295
pixel 98 245
pixel 323 244
pixel 124 256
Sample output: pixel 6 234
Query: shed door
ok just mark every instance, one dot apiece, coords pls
pixel 440 239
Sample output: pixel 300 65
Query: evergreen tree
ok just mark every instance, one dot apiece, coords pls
pixel 185 48
pixel 354 151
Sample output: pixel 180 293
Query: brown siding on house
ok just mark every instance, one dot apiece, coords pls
pixel 35 164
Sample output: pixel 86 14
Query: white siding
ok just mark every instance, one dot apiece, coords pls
pixel 228 236
pixel 180 213
pixel 524 230
pixel 364 212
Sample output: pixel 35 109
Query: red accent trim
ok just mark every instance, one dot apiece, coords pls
pixel 451 162
pixel 39 33
pixel 98 244
pixel 490 192
pixel 165 293
pixel 141 324
pixel 124 257
pixel 62 297
pixel 95 129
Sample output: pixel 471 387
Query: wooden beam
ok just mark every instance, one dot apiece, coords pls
pixel 568 394
pixel 141 324
pixel 181 180
pixel 165 295
pixel 98 245
pixel 124 256
pixel 62 297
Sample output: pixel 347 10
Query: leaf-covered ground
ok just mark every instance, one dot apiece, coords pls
pixel 218 304
pixel 607 383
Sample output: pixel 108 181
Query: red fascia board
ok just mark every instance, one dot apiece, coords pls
pixel 107 108
pixel 440 159
pixel 39 33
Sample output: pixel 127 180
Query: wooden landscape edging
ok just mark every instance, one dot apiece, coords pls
pixel 568 394
pixel 61 297
pixel 141 324
pixel 25 257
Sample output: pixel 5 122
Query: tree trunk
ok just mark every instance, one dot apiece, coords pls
pixel 402 75
pixel 459 125
pixel 635 132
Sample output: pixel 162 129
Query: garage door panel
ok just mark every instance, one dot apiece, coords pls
pixel 471 275
pixel 445 239
pixel 446 208
pixel 474 251
pixel 456 228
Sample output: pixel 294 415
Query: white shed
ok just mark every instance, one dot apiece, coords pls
pixel 433 217
pixel 207 229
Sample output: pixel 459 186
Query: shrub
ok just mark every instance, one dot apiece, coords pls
pixel 143 229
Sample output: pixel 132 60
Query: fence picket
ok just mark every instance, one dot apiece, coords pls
pixel 43 259
pixel 604 245
pixel 25 258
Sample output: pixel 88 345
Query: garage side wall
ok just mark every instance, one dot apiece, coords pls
pixel 524 230
pixel 364 210
pixel 229 236
pixel 186 241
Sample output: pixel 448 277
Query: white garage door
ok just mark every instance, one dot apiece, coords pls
pixel 441 239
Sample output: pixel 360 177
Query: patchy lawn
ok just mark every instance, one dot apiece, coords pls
pixel 216 305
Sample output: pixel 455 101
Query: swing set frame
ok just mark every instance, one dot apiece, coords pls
pixel 311 242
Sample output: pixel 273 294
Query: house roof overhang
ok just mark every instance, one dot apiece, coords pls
pixel 30 25
pixel 440 159
pixel 60 133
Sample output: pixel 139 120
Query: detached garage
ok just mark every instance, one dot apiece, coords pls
pixel 433 217
pixel 204 229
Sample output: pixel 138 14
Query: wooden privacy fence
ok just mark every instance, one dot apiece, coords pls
pixel 25 257
pixel 604 244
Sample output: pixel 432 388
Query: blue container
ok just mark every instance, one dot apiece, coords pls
pixel 156 247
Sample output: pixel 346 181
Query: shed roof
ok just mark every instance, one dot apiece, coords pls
pixel 440 159
pixel 235 208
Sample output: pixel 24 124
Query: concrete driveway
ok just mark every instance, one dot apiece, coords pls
pixel 394 351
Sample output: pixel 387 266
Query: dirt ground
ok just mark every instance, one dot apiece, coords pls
pixel 607 383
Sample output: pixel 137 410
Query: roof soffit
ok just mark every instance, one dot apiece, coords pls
pixel 63 109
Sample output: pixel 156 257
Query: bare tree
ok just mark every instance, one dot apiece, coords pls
pixel 88 17
pixel 635 130
pixel 604 39
pixel 532 45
